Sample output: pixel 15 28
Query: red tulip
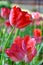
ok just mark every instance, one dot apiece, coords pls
pixel 20 50
pixel 19 18
pixel 16 52
pixel 37 35
pixel 5 12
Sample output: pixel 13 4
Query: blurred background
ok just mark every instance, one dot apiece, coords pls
pixel 34 5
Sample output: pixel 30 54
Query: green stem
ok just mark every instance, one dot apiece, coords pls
pixel 3 37
pixel 6 44
pixel 39 49
pixel 16 33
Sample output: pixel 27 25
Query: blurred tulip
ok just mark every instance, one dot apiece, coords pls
pixel 37 32
pixel 5 12
pixel 38 35
pixel 22 48
pixel 19 18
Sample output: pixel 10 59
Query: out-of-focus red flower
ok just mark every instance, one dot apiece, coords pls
pixel 7 23
pixel 5 12
pixel 19 18
pixel 37 32
pixel 35 15
pixel 22 50
pixel 16 52
pixel 38 35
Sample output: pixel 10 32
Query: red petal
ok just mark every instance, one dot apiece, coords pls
pixel 29 57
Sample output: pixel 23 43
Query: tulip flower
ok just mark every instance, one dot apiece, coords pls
pixel 37 32
pixel 19 18
pixel 22 49
pixel 37 35
pixel 16 52
pixel 5 12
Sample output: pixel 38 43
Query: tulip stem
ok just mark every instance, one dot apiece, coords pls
pixel 39 49
pixel 16 33
pixel 6 44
